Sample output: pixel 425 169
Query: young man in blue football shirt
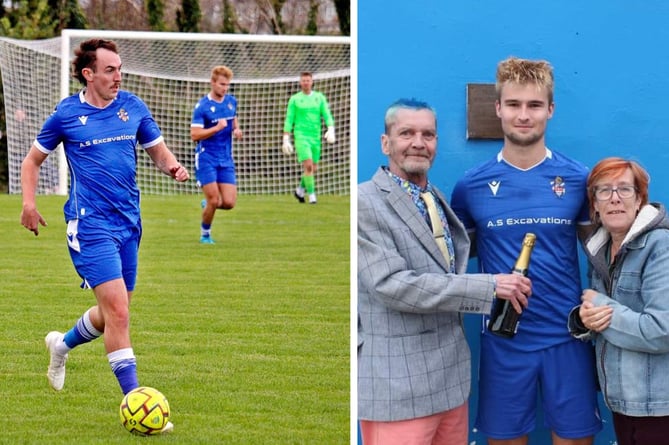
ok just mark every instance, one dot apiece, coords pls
pixel 99 127
pixel 528 187
pixel 213 126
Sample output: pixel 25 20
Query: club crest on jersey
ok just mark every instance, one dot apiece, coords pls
pixel 558 186
pixel 123 115
pixel 229 106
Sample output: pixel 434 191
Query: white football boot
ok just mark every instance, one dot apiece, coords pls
pixel 56 371
pixel 168 428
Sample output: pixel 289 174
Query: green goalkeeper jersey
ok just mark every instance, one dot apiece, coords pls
pixel 303 116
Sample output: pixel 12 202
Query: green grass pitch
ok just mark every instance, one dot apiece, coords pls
pixel 248 338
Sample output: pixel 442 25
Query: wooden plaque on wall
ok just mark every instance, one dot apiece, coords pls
pixel 482 121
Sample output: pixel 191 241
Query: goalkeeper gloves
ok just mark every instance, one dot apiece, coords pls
pixel 330 135
pixel 287 147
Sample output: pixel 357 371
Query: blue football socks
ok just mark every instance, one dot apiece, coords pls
pixel 82 332
pixel 124 366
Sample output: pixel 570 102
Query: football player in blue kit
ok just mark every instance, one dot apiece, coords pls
pixel 528 187
pixel 213 125
pixel 100 128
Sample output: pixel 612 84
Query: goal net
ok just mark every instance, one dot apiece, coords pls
pixel 171 72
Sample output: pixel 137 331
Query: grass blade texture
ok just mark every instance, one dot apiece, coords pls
pixel 247 338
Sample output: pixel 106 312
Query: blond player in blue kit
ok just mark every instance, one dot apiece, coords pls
pixel 528 187
pixel 213 126
pixel 100 128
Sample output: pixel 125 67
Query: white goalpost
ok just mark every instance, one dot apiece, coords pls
pixel 170 72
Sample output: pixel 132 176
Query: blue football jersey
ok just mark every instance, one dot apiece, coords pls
pixel 100 147
pixel 500 203
pixel 206 114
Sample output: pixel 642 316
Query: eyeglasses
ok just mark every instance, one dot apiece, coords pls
pixel 623 191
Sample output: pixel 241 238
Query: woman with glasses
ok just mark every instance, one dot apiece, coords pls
pixel 627 310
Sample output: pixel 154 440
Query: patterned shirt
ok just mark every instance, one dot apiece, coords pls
pixel 414 192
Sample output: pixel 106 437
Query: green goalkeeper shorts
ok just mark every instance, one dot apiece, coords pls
pixel 308 148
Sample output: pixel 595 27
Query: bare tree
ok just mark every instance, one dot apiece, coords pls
pixel 116 14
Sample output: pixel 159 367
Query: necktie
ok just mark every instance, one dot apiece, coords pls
pixel 437 226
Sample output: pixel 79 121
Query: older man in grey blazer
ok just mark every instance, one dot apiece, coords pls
pixel 414 368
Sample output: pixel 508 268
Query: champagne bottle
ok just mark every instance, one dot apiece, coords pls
pixel 504 319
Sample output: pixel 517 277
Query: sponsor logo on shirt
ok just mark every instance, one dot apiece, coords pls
pixel 529 220
pixel 107 140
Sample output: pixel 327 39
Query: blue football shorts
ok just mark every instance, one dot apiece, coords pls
pixel 208 169
pixel 562 377
pixel 102 254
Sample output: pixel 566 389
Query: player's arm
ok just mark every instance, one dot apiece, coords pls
pixel 286 145
pixel 30 167
pixel 290 117
pixel 198 133
pixel 329 122
pixel 167 162
pixel 326 113
pixel 584 225
pixel 323 112
pixel 459 205
pixel 584 230
pixel 236 131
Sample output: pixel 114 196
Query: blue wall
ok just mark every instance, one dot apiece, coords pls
pixel 611 72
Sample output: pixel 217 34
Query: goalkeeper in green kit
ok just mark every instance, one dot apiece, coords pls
pixel 303 118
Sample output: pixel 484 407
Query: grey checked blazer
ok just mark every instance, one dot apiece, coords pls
pixel 413 359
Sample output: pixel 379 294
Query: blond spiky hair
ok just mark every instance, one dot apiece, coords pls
pixel 523 71
pixel 221 70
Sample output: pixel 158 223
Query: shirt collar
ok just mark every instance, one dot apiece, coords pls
pixel 549 155
pixel 407 185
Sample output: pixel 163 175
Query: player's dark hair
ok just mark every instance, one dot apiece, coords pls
pixel 85 56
